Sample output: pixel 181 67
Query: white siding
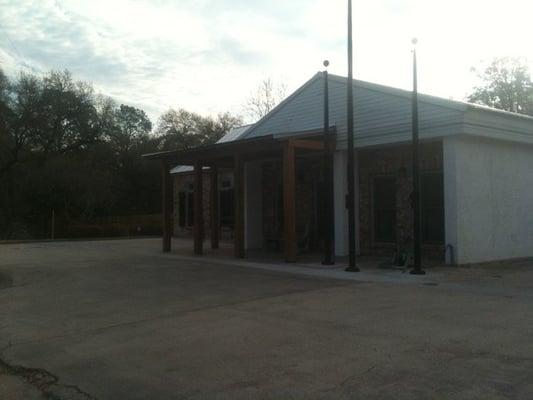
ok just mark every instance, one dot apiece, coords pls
pixel 382 115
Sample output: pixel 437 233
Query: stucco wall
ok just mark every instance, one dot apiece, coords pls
pixel 488 188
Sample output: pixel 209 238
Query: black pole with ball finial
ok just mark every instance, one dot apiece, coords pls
pixel 328 222
pixel 350 198
pixel 417 245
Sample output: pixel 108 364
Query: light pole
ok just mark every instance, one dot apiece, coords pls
pixel 328 180
pixel 350 165
pixel 417 246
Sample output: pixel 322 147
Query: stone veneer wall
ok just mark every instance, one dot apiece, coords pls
pixel 394 161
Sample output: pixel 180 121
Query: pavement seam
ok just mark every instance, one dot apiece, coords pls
pixel 179 314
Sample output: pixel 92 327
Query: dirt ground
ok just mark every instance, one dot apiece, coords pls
pixel 118 319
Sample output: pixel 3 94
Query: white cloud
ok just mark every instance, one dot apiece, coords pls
pixel 208 55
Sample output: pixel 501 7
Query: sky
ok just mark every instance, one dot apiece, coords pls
pixel 208 56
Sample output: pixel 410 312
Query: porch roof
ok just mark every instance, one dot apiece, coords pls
pixel 223 153
pixel 217 152
pixel 234 154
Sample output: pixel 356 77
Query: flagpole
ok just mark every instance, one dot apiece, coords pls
pixel 351 173
pixel 328 219
pixel 417 246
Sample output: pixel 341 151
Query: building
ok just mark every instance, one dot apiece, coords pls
pixel 476 175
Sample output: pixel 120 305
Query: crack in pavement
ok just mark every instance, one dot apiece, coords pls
pixel 46 382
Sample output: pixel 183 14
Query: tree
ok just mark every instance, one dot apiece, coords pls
pixel 264 98
pixel 128 138
pixel 66 115
pixel 63 148
pixel 131 127
pixel 181 129
pixel 215 128
pixel 506 85
pixel 19 102
pixel 8 143
pixel 67 149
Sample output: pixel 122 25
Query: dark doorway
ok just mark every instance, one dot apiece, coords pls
pixel 182 209
pixel 227 207
pixel 432 189
pixel 190 208
pixel 320 195
pixel 384 209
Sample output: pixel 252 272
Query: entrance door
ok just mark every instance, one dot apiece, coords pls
pixel 433 207
pixel 384 209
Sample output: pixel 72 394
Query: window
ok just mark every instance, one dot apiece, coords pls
pixel 227 207
pixel 186 206
pixel 182 207
pixel 384 208
pixel 432 191
pixel 190 208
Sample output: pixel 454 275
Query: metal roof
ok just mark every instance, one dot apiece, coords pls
pixel 180 169
pixel 236 133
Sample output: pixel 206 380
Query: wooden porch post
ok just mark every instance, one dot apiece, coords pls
pixel 166 199
pixel 289 205
pixel 215 222
pixel 239 207
pixel 198 208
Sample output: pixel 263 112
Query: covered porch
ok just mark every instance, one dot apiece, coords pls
pixel 267 210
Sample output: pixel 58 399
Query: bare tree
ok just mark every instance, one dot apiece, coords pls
pixel 264 98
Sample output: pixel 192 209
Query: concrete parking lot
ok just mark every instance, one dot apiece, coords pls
pixel 119 319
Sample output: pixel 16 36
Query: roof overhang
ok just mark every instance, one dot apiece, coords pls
pixel 223 154
pixel 217 153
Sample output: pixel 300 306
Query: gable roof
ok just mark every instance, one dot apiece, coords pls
pixel 383 115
